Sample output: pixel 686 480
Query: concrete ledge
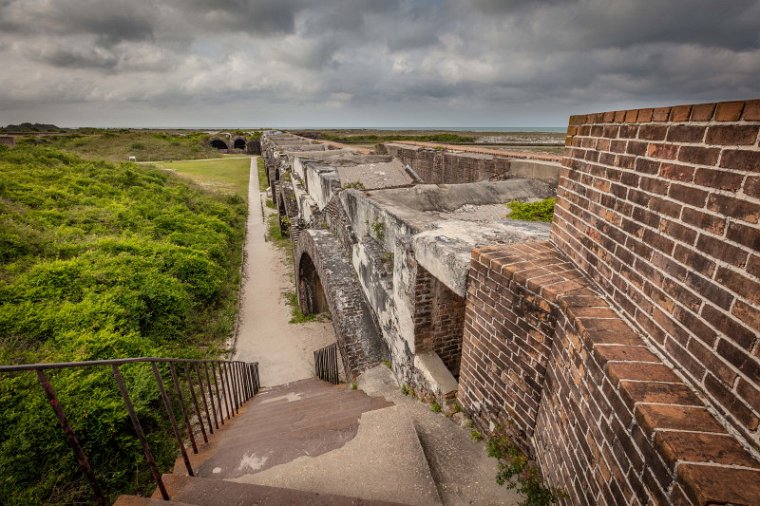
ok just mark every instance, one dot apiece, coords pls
pixel 435 373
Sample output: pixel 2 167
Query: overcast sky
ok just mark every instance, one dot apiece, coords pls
pixel 367 62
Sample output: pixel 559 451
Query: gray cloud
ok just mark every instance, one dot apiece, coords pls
pixel 280 62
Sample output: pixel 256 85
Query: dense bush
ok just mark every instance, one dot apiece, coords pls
pixel 102 261
pixel 541 210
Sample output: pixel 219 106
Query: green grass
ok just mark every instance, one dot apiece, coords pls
pixel 296 315
pixel 101 261
pixel 262 171
pixel 542 210
pixel 227 175
pixel 119 145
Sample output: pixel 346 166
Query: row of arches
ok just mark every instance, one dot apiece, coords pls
pixel 238 143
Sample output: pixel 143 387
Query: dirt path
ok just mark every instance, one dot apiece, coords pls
pixel 283 350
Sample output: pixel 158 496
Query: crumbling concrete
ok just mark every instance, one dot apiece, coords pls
pixel 405 246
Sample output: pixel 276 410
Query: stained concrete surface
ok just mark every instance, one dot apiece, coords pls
pixel 283 350
pixel 464 473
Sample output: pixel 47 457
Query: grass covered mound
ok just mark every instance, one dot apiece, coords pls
pixel 102 261
pixel 541 210
pixel 119 145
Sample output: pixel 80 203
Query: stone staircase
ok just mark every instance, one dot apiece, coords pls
pixel 307 442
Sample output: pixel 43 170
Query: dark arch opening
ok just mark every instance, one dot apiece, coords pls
pixel 219 144
pixel 239 144
pixel 311 294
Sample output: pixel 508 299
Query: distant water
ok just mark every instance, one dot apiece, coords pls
pixel 560 129
pixel 442 128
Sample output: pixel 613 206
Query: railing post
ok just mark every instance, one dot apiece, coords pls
pixel 230 392
pixel 203 397
pixel 226 387
pixel 140 434
pixel 181 398
pixel 63 421
pixel 235 386
pixel 172 420
pixel 238 386
pixel 211 394
pixel 256 382
pixel 189 379
pixel 218 394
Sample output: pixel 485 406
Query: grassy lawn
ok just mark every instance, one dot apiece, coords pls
pixel 227 175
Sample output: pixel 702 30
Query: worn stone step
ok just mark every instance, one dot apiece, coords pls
pixel 384 461
pixel 206 492
pixel 133 500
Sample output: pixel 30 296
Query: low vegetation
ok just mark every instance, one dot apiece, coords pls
pixel 226 175
pixel 542 210
pixel 31 128
pixel 443 138
pixel 262 172
pixel 119 145
pixel 296 315
pixel 101 261
pixel 516 471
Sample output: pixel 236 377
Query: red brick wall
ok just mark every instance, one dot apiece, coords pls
pixel 547 359
pixel 661 208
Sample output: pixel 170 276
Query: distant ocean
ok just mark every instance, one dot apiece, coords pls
pixel 440 128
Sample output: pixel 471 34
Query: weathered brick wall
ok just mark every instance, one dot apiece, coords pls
pixel 547 359
pixel 444 167
pixel 355 327
pixel 448 326
pixel 438 319
pixel 661 208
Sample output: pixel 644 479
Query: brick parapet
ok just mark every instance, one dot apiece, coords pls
pixel 606 419
pixel 661 207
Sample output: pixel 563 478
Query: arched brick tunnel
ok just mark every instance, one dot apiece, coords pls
pixel 218 144
pixel 326 281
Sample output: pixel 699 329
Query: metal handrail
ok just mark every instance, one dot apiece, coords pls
pixel 239 382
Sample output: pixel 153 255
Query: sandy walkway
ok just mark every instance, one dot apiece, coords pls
pixel 283 350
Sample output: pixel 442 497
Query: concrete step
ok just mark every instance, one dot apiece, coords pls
pixel 133 500
pixel 383 461
pixel 206 492
pixel 307 417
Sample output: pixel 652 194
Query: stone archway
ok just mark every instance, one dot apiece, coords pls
pixel 311 294
pixel 326 281
pixel 239 143
pixel 218 144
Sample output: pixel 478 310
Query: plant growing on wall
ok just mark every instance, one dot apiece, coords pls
pixel 542 210
pixel 516 471
pixel 379 229
pixel 356 185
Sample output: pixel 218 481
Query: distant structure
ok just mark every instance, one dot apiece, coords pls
pixel 234 143
pixel 7 140
pixel 619 346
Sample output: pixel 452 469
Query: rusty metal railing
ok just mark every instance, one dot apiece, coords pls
pixel 326 363
pixel 234 382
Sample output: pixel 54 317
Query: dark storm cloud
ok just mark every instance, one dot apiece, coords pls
pixel 297 58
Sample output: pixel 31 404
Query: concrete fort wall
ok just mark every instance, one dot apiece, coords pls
pixel 623 354
pixel 441 166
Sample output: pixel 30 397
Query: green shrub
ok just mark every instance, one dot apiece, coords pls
pixel 101 261
pixel 542 210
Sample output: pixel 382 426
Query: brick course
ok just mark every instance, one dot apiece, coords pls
pixel 681 262
pixel 624 354
pixel 548 359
